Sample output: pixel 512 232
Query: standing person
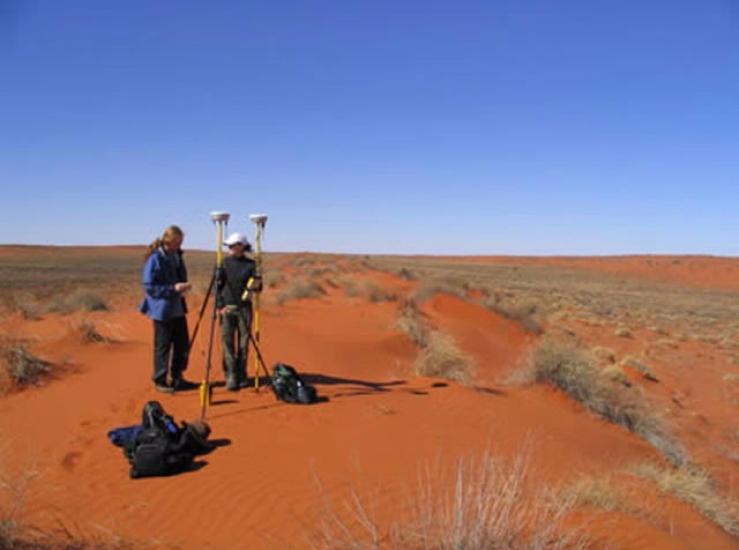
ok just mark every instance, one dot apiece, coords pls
pixel 165 285
pixel 233 299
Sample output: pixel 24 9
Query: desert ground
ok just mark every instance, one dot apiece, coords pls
pixel 467 402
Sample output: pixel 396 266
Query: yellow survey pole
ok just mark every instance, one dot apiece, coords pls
pixel 219 218
pixel 260 220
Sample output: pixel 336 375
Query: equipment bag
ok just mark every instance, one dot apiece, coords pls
pixel 161 448
pixel 289 387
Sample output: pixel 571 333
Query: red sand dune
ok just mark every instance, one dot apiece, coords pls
pixel 267 489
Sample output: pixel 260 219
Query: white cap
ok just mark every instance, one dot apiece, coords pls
pixel 236 238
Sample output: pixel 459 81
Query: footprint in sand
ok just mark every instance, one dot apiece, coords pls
pixel 70 460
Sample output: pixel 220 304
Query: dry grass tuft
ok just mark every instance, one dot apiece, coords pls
pixel 406 274
pixel 640 367
pixel 600 492
pixel 369 289
pixel 411 322
pixel 441 358
pixel 300 288
pixel 273 278
pixel 20 366
pixel 89 333
pixel 574 371
pixel 447 285
pixel 485 503
pixel 523 312
pixel 80 300
pixel 17 535
pixel 694 485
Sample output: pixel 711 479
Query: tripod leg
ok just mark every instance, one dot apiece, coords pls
pixel 205 388
pixel 260 359
pixel 202 310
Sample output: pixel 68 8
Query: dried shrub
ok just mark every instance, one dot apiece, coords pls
pixel 410 322
pixel 369 289
pixel 523 312
pixel 79 300
pixel 695 486
pixel 273 278
pixel 441 358
pixel 300 288
pixel 574 371
pixel 89 333
pixel 21 366
pixel 484 503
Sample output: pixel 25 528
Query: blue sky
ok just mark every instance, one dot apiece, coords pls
pixel 490 127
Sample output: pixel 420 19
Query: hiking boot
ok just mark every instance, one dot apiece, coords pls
pixel 182 384
pixel 232 382
pixel 163 387
pixel 243 380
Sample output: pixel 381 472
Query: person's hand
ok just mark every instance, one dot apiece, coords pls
pixel 182 287
pixel 220 311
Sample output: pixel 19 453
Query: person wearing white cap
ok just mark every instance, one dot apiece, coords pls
pixel 236 284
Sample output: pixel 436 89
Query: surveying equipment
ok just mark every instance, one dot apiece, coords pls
pixel 260 220
pixel 220 219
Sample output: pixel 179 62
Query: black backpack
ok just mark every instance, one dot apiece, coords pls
pixel 289 387
pixel 161 448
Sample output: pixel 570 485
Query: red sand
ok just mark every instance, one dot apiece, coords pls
pixel 268 488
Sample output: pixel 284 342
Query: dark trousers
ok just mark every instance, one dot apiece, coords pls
pixel 170 336
pixel 235 327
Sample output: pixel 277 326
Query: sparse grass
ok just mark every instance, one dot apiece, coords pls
pixel 410 322
pixel 406 274
pixel 89 333
pixel 639 366
pixel 441 358
pixel 80 300
pixel 600 492
pixel 438 355
pixel 20 366
pixel 273 278
pixel 371 290
pixel 522 312
pixel 574 371
pixel 448 285
pixel 615 374
pixel 300 288
pixel 17 535
pixel 484 503
pixel 693 485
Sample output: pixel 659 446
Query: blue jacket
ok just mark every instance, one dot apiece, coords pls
pixel 161 271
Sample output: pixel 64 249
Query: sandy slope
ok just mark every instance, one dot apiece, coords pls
pixel 271 486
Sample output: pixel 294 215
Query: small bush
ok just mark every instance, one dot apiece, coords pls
pixel 574 372
pixel 484 503
pixel 20 365
pixel 410 322
pixel 273 278
pixel 371 290
pixel 441 358
pixel 694 485
pixel 89 333
pixel 406 274
pixel 80 300
pixel 521 312
pixel 300 288
pixel 640 367
pixel 447 285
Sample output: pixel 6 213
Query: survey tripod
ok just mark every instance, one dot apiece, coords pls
pixel 206 390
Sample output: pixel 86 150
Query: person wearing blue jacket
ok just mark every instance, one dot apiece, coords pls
pixel 165 286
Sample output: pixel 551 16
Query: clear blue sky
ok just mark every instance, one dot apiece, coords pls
pixel 493 127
